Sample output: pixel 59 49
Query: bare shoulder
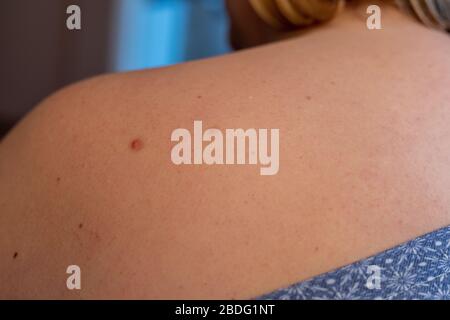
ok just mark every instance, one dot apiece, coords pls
pixel 60 170
pixel 87 178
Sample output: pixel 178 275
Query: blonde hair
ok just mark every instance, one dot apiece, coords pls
pixel 292 14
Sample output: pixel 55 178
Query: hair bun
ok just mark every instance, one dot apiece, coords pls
pixel 291 14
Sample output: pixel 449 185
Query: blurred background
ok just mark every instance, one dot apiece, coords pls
pixel 39 55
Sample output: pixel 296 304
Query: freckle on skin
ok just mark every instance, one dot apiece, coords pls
pixel 80 226
pixel 136 144
pixel 308 97
pixel 15 255
pixel 58 179
pixel 199 96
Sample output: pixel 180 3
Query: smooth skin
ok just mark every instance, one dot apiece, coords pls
pixel 364 166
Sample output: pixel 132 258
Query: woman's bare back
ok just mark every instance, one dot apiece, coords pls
pixel 87 179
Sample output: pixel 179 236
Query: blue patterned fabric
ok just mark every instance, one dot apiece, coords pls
pixel 417 269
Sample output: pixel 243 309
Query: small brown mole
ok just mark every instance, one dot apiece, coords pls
pixel 308 97
pixel 58 179
pixel 136 144
pixel 15 255
pixel 199 97
pixel 80 226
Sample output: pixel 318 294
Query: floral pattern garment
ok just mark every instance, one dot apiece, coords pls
pixel 417 269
